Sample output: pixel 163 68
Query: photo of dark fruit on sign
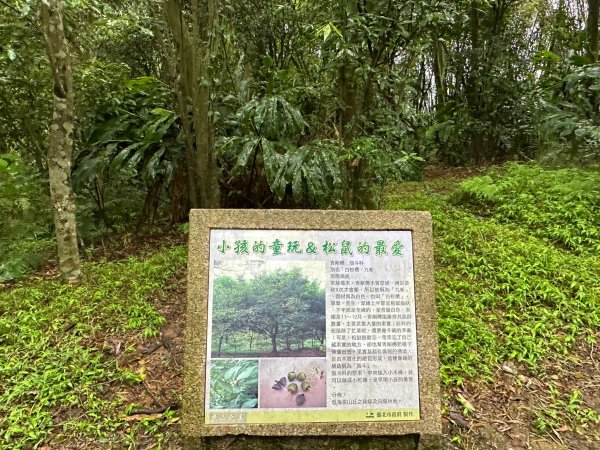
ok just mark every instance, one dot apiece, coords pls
pixel 279 384
pixel 303 385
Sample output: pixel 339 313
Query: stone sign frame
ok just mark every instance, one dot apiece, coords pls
pixel 428 427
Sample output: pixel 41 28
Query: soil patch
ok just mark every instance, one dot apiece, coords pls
pixel 521 410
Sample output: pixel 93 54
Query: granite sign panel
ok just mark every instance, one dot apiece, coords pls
pixel 318 322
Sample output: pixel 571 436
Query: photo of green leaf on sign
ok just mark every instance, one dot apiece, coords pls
pixel 275 310
pixel 233 384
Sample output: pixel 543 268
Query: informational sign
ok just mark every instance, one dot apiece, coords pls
pixel 311 326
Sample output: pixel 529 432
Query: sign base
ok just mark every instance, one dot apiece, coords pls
pixel 408 442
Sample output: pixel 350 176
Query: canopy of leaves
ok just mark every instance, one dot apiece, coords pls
pixel 311 104
pixel 279 304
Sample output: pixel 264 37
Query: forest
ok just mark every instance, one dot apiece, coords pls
pixel 251 317
pixel 117 118
pixel 126 113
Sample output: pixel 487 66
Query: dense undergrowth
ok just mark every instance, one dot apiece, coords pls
pixel 25 236
pixel 502 292
pixel 560 206
pixel 52 378
pixel 508 287
pixel 523 285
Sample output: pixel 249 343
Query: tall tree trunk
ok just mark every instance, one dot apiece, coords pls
pixel 204 127
pixel 194 49
pixel 439 72
pixel 358 195
pixel 182 69
pixel 60 151
pixel 472 88
pixel 592 29
pixel 355 194
pixel 274 340
pixel 349 100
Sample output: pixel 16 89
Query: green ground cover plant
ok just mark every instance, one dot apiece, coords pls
pixel 560 206
pixel 564 408
pixel 53 379
pixel 502 293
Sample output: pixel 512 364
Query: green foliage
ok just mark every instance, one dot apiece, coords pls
pixel 268 129
pixel 566 203
pixel 572 117
pixel 564 409
pixel 273 118
pixel 502 293
pixel 48 362
pixel 381 165
pixel 25 225
pixel 25 85
pixel 132 145
pixel 313 172
pixel 280 305
pixel 486 98
pixel 318 172
pixel 137 135
pixel 233 384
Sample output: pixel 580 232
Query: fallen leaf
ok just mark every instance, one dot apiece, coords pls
pixel 459 420
pixel 138 417
pixel 466 404
pixel 506 368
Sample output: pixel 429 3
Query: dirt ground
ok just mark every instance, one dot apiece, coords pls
pixel 504 411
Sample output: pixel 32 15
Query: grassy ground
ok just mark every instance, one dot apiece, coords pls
pixel 63 381
pixel 518 292
pixel 519 309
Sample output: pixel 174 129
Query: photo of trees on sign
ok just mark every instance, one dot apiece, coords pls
pixel 272 314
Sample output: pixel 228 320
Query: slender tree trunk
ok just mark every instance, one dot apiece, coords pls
pixel 203 117
pixel 194 51
pixel 592 29
pixel 472 88
pixel 274 340
pixel 60 152
pixel 349 102
pixel 358 194
pixel 182 69
pixel 439 72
